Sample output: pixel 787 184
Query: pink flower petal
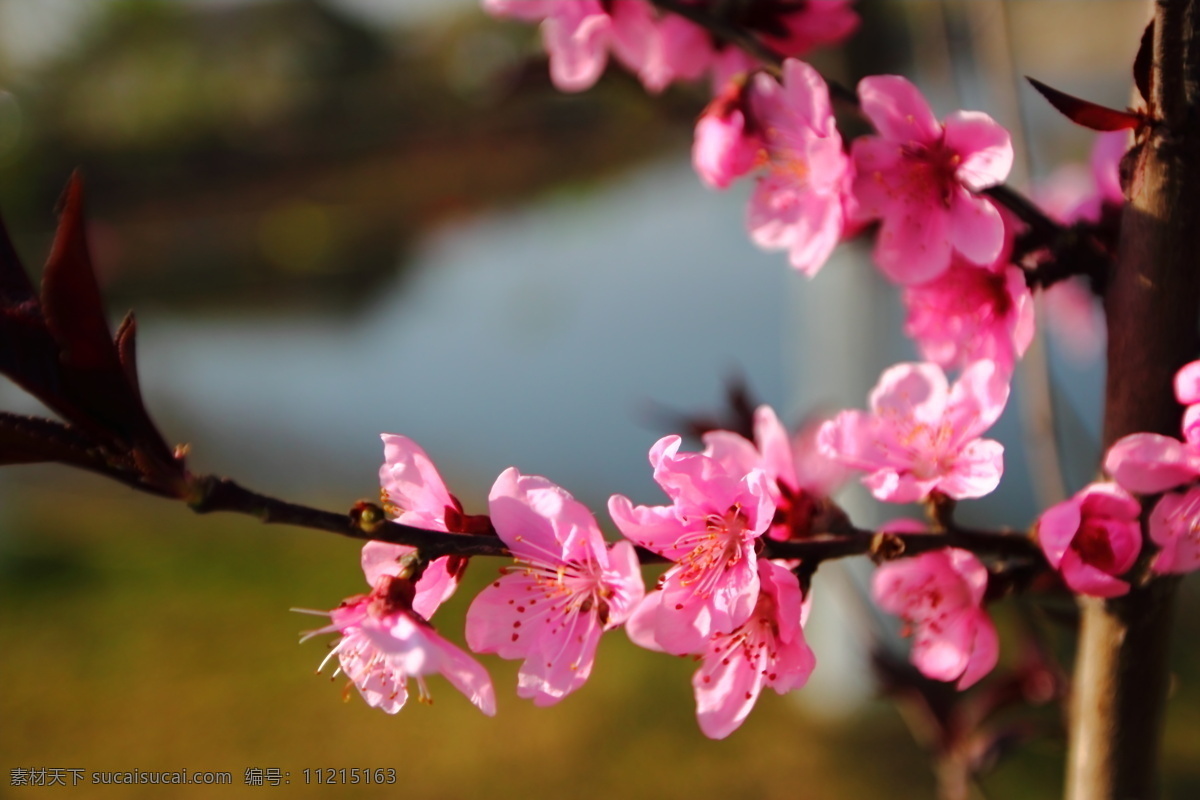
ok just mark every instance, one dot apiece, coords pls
pixel 380 688
pixel 469 677
pixel 1148 463
pixel 874 158
pixel 773 443
pixel 659 49
pixel 977 470
pixel 722 151
pixel 944 656
pixel 1175 527
pixel 892 486
pixel 538 519
pixel 985 651
pixel 1085 578
pixel 977 399
pixel 642 622
pixel 501 618
pixel 561 662
pixel 1187 383
pixel 914 245
pixel 976 228
pixel 381 558
pixel 970 571
pixel 576 37
pixel 656 528
pixel 1107 153
pixel 1056 529
pixel 1191 427
pixel 898 110
pixel 411 482
pixel 917 392
pixel 807 96
pixel 726 690
pixel 1109 500
pixel 984 147
pixel 808 224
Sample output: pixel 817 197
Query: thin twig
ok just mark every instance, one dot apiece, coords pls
pixel 221 494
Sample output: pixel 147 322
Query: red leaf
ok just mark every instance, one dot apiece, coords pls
pixel 1087 113
pixel 1143 77
pixel 70 295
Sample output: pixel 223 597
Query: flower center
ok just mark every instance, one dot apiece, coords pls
pixel 712 550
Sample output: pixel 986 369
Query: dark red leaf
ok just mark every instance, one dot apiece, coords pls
pixel 70 295
pixel 1085 112
pixel 1142 76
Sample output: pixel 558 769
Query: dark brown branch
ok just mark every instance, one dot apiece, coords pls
pixel 1025 210
pixel 211 494
pixel 885 546
pixel 221 494
pixel 1121 671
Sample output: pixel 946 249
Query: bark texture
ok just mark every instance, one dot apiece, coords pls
pixel 1121 670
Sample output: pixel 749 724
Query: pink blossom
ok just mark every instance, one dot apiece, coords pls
pixel 799 202
pixel 1187 392
pixel 568 587
pixel 384 643
pixel 580 34
pixel 921 434
pixel 1148 463
pixel 720 504
pixel 663 47
pixel 1187 383
pixel 726 146
pixel 659 48
pixel 970 313
pixel 414 494
pixel 1092 538
pixel 768 649
pixel 789 130
pixel 940 595
pixel 1074 194
pixel 800 475
pixel 1175 528
pixel 576 35
pixel 920 176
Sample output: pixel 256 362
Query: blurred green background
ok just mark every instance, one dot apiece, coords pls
pixel 273 185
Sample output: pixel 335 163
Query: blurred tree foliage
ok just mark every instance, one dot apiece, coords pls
pixel 283 152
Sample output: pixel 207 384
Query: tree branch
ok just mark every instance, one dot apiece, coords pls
pixel 366 522
pixel 1121 670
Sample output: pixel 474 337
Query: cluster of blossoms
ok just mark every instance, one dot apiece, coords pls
pixel 1150 463
pixel 662 48
pixel 1095 537
pixel 920 184
pixel 740 614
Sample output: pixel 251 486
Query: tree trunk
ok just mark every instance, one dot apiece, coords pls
pixel 1152 302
